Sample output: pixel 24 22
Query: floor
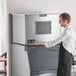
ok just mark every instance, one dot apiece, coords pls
pixel 73 70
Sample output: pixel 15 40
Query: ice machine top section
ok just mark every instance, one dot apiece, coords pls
pixel 44 27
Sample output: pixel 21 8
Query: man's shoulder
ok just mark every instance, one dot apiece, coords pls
pixel 68 32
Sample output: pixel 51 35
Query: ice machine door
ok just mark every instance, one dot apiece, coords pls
pixel 18 30
pixel 20 64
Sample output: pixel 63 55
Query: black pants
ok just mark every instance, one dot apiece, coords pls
pixel 65 62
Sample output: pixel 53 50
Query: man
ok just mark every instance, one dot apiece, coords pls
pixel 67 47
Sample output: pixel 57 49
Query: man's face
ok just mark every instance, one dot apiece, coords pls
pixel 62 22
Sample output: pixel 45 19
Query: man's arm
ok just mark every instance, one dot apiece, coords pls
pixel 65 35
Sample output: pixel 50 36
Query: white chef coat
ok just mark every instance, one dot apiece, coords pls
pixel 68 39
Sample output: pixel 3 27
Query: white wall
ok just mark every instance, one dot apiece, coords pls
pixel 3 26
pixel 54 6
pixel 4 31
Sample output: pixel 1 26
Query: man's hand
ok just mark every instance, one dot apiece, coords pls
pixel 38 42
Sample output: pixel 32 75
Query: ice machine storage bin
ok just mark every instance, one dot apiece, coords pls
pixel 42 58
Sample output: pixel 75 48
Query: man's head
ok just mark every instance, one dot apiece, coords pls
pixel 64 19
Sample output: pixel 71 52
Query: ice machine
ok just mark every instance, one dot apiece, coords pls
pixel 27 58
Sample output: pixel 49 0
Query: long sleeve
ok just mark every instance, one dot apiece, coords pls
pixel 66 35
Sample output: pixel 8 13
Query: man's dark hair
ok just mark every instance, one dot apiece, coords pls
pixel 66 16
